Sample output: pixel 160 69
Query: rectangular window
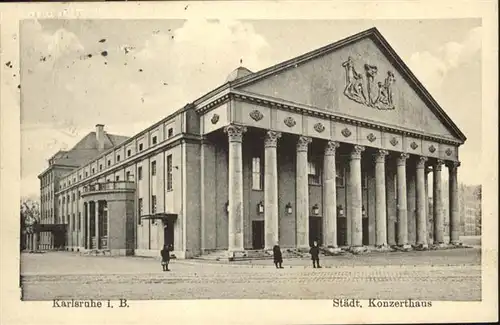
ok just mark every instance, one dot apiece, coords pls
pixel 100 167
pixel 139 210
pixel 74 179
pixel 93 170
pixel 118 158
pixel 340 175
pixel 154 139
pixel 139 173
pixel 257 176
pixel 129 152
pixel 314 173
pixel 109 163
pixel 169 173
pixel 80 177
pixel 170 132
pixel 140 146
pixel 127 176
pixel 153 168
pixel 86 174
pixel 153 204
pixel 117 178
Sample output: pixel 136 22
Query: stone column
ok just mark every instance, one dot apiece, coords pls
pixel 87 233
pixel 421 202
pixel 437 204
pixel 97 237
pixel 411 201
pixel 271 221
pixel 427 214
pixel 235 216
pixel 380 199
pixel 302 193
pixel 356 197
pixel 391 204
pixel 330 195
pixel 453 203
pixel 401 201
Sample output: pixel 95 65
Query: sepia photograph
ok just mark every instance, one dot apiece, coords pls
pixel 211 166
pixel 249 164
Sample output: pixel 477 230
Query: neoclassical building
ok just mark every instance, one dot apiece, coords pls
pixel 334 146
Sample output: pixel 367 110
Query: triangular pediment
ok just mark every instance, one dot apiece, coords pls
pixel 360 76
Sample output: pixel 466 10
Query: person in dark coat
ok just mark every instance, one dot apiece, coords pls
pixel 278 258
pixel 165 257
pixel 314 251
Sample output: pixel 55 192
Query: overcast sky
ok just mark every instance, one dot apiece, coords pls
pixel 128 74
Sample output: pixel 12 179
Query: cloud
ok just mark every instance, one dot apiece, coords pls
pixel 432 68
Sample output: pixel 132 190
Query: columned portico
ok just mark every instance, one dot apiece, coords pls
pixel 302 193
pixel 421 186
pixel 453 203
pixel 437 203
pixel 271 222
pixel 330 195
pixel 235 209
pixel 402 239
pixel 356 197
pixel 380 197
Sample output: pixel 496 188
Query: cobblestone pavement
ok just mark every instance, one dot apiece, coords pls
pixel 436 275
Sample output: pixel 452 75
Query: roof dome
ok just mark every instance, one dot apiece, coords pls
pixel 238 73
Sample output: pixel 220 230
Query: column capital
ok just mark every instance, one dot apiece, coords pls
pixel 402 158
pixel 331 147
pixel 438 164
pixel 271 139
pixel 380 155
pixel 235 132
pixel 428 169
pixel 421 162
pixel 452 165
pixel 356 152
pixel 303 143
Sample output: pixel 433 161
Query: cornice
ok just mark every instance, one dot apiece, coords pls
pixel 312 111
pixel 214 103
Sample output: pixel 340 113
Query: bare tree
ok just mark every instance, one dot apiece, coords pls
pixel 30 218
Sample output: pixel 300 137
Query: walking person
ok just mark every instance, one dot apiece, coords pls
pixel 314 251
pixel 278 258
pixel 165 257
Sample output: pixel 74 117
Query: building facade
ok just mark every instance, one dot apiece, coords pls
pixel 335 146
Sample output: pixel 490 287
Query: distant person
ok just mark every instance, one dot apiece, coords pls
pixel 165 257
pixel 314 251
pixel 278 258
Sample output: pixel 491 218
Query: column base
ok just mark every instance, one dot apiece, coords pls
pixel 382 248
pixel 456 243
pixel 421 247
pixel 235 254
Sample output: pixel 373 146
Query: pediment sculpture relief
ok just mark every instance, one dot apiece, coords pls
pixel 364 90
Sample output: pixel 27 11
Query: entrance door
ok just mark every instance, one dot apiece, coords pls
pixel 258 234
pixel 366 239
pixel 315 230
pixel 168 232
pixel 342 231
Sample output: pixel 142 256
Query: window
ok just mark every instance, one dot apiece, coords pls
pixel 93 170
pixel 129 152
pixel 100 167
pixel 154 139
pixel 139 210
pixel 139 173
pixel 257 179
pixel 170 132
pixel 153 168
pixel 78 222
pixel 86 174
pixel 340 177
pixel 118 158
pixel 109 163
pixel 140 146
pixel 73 222
pixel 79 194
pixel 74 179
pixel 117 178
pixel 80 177
pixel 153 204
pixel 169 173
pixel 314 173
pixel 127 176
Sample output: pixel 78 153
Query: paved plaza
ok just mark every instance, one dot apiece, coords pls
pixel 427 275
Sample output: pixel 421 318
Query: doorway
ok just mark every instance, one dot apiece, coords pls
pixel 315 230
pixel 258 234
pixel 168 232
